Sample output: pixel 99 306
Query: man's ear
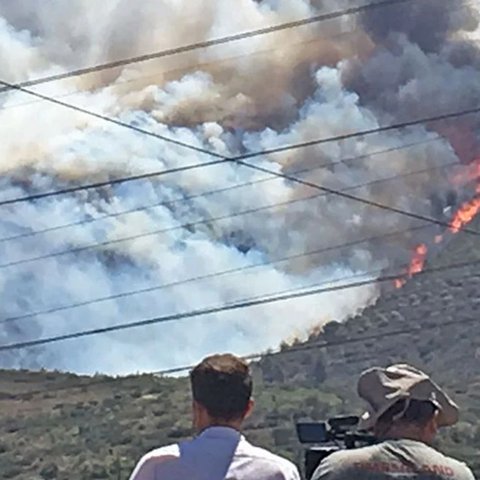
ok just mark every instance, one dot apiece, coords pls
pixel 201 418
pixel 198 408
pixel 250 406
pixel 431 428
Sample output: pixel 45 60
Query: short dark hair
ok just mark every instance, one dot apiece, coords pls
pixel 223 385
pixel 417 412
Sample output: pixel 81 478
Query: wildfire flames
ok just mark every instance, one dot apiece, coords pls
pixel 416 265
pixel 467 212
pixel 462 217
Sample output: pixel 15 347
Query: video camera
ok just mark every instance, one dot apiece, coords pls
pixel 327 437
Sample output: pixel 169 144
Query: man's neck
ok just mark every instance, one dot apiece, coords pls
pixel 234 425
pixel 406 433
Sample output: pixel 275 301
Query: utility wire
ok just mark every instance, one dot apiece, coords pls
pixel 107 183
pixel 333 344
pixel 208 221
pixel 268 299
pixel 267 263
pixel 256 356
pixel 361 200
pixel 240 160
pixel 142 78
pixel 198 66
pixel 209 43
pixel 182 199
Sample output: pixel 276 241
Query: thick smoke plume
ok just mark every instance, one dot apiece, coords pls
pixel 346 75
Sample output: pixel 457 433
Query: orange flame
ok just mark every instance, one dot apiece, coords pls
pixel 416 265
pixel 418 260
pixel 462 217
pixel 466 213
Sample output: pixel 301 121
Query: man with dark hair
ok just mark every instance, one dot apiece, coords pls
pixel 405 410
pixel 222 399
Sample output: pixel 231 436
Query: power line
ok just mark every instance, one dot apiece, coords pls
pixel 364 201
pixel 141 78
pixel 156 288
pixel 240 160
pixel 269 299
pixel 221 190
pixel 107 183
pixel 177 69
pixel 208 43
pixel 192 224
pixel 254 301
pixel 333 344
pixel 255 356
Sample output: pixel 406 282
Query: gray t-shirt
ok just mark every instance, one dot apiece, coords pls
pixel 392 459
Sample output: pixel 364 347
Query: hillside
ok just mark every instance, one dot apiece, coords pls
pixel 66 431
pixel 439 312
pixel 81 428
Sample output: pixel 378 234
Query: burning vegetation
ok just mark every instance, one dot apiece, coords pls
pixel 463 216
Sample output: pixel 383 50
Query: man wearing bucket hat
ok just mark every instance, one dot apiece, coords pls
pixel 405 410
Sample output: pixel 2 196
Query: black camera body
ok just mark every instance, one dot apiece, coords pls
pixel 327 437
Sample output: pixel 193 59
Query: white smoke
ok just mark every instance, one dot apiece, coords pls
pixel 241 97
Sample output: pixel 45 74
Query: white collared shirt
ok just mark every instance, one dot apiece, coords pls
pixel 218 453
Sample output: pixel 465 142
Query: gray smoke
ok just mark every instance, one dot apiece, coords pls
pixel 329 79
pixel 423 65
pixel 430 24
